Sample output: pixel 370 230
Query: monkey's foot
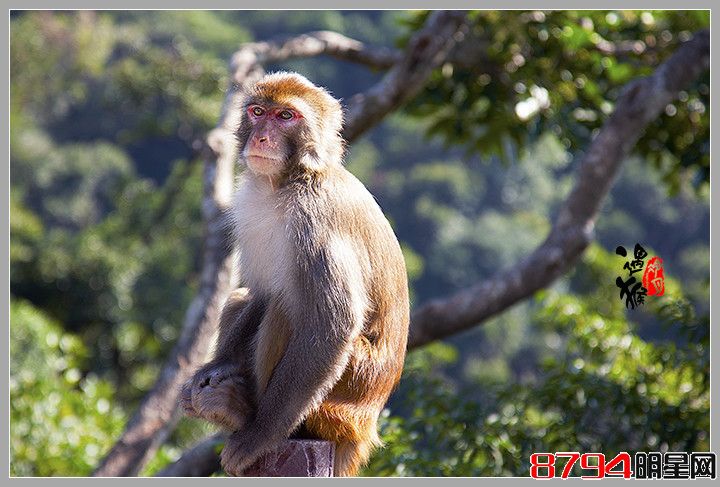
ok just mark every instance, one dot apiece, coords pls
pixel 239 453
pixel 219 395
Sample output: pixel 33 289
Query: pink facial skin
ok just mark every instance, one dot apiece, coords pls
pixel 267 148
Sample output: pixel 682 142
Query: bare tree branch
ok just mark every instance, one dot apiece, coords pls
pixel 155 418
pixel 328 43
pixel 201 460
pixel 427 50
pixel 641 103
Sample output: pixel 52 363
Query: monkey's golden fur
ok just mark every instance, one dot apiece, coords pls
pixel 323 339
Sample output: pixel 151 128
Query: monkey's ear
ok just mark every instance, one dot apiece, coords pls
pixel 239 102
pixel 335 115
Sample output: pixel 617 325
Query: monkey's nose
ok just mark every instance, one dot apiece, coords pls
pixel 262 139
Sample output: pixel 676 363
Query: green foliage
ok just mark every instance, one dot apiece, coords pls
pixel 69 186
pixel 52 57
pixel 116 282
pixel 601 388
pixel 560 72
pixel 25 228
pixel 125 83
pixel 204 30
pixel 62 418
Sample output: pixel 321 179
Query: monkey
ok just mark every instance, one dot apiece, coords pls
pixel 320 345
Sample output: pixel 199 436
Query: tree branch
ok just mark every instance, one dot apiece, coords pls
pixel 641 102
pixel 201 460
pixel 328 43
pixel 427 49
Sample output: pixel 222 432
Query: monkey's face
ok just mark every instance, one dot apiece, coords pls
pixel 272 129
pixel 289 125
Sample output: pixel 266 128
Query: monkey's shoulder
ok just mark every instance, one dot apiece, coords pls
pixel 341 197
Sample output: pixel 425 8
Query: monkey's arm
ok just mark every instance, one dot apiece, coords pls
pixel 204 394
pixel 325 318
pixel 232 349
pixel 238 323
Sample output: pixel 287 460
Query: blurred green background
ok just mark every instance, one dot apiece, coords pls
pixel 106 112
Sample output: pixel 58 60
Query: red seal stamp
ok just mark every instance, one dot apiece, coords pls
pixel 653 278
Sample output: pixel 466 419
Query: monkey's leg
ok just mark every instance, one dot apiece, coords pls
pixel 353 429
pixel 350 456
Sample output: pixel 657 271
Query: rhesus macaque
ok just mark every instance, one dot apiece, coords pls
pixel 320 346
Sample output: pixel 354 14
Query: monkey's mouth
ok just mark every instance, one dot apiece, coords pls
pixel 262 159
pixel 263 164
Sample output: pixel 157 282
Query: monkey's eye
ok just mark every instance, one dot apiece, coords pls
pixel 285 115
pixel 257 111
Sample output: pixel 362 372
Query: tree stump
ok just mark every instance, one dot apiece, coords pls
pixel 296 458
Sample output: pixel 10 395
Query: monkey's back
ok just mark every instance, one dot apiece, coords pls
pixel 350 411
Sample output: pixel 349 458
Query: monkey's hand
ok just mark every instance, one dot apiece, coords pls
pixel 186 400
pixel 243 448
pixel 218 393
